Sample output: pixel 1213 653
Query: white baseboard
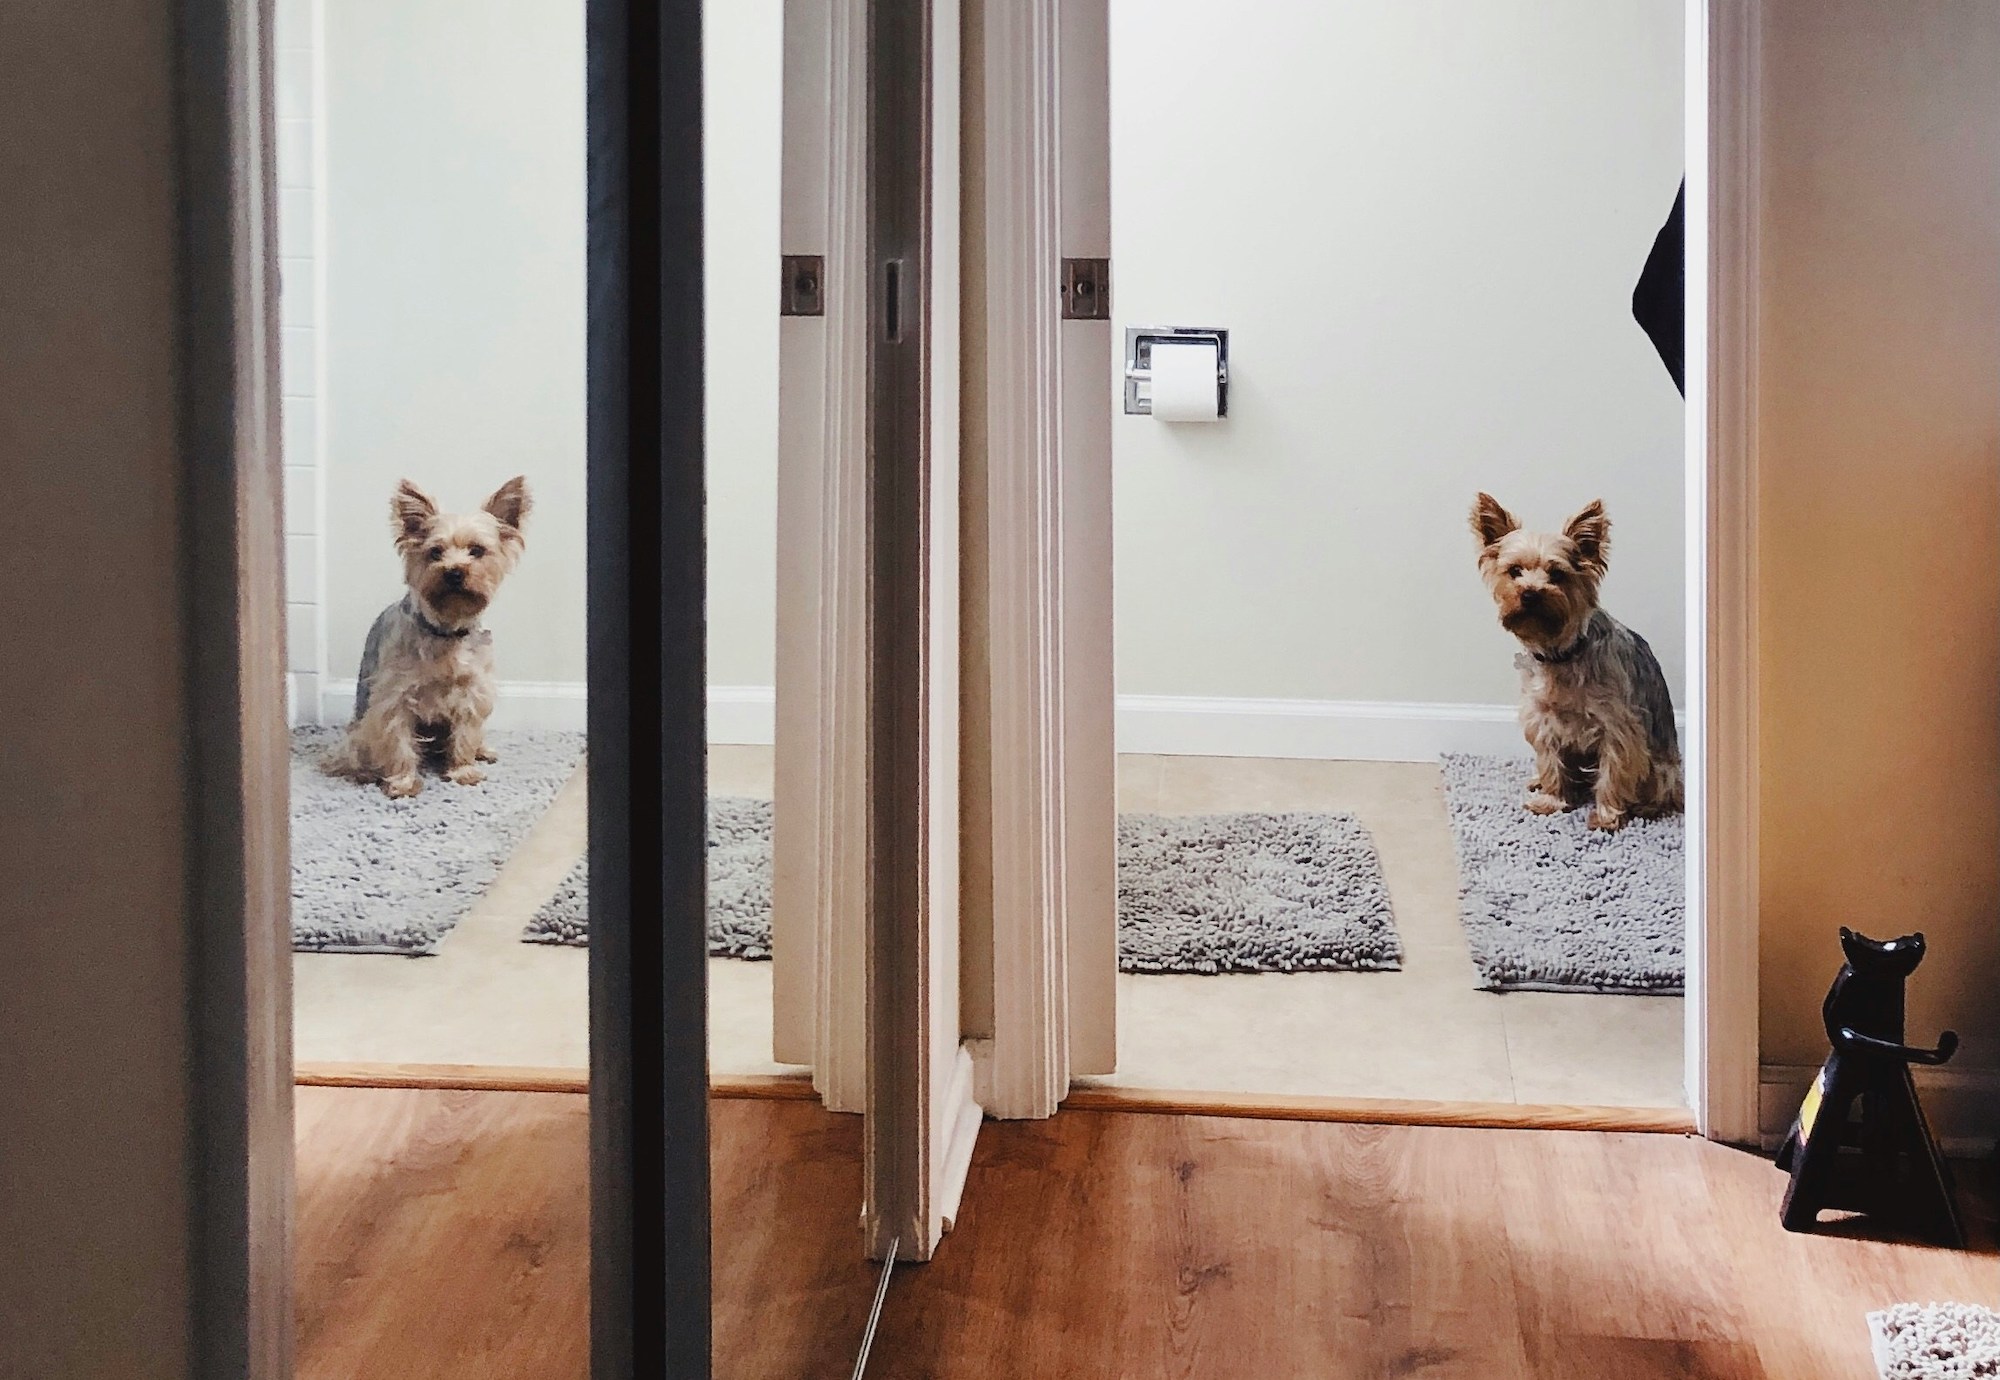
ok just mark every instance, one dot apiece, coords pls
pixel 1963 1105
pixel 742 714
pixel 302 698
pixel 736 713
pixel 544 704
pixel 1346 730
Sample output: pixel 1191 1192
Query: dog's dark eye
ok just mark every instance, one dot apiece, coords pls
pixel 1556 574
pixel 475 551
pixel 1513 572
pixel 436 553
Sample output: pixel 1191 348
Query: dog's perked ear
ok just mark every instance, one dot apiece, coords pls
pixel 510 503
pixel 411 512
pixel 1590 531
pixel 1490 521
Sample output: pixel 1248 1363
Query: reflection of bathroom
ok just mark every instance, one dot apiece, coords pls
pixel 1427 297
pixel 433 246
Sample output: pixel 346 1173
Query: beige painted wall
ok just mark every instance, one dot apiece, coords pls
pixel 1421 221
pixel 454 330
pixel 94 1196
pixel 1879 393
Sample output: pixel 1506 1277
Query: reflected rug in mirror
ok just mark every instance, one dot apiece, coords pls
pixel 1246 893
pixel 371 875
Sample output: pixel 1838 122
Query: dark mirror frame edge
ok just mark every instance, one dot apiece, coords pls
pixel 650 1271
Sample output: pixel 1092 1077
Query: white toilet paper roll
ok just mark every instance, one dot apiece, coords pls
pixel 1184 387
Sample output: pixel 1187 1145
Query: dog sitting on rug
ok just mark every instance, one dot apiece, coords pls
pixel 1594 703
pixel 425 689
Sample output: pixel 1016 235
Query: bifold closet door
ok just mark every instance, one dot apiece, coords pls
pixel 921 1117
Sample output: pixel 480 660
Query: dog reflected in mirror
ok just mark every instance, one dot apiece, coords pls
pixel 425 688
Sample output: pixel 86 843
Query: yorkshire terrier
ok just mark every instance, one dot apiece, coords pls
pixel 1594 703
pixel 425 689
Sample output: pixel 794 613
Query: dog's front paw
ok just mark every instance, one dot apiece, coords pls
pixel 1542 803
pixel 402 787
pixel 467 775
pixel 487 754
pixel 1610 821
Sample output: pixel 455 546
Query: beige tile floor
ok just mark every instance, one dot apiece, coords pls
pixel 1424 1032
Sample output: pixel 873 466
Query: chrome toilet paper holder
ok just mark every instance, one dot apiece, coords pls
pixel 1139 342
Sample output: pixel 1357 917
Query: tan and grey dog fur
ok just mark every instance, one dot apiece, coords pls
pixel 425 689
pixel 1594 703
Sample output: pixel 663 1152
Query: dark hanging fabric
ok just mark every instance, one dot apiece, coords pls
pixel 1659 303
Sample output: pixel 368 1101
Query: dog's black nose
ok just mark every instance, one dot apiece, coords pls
pixel 455 578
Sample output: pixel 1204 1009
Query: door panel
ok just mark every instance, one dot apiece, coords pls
pixel 921 1116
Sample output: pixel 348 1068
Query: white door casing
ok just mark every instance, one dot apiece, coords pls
pixel 1050 543
pixel 922 1119
pixel 819 845
pixel 1044 149
pixel 1088 365
pixel 1724 94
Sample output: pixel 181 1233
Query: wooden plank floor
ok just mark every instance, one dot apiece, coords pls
pixel 444 1234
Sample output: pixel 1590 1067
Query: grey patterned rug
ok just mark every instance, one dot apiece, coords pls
pixel 1549 905
pixel 739 886
pixel 1247 893
pixel 1252 893
pixel 372 875
pixel 1936 1341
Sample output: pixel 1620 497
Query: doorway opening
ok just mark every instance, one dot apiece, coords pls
pixel 1329 883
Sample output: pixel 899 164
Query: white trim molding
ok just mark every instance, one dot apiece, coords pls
pixel 1087 362
pixel 1961 1104
pixel 518 704
pixel 1339 730
pixel 820 837
pixel 1724 82
pixel 743 714
pixel 1026 1070
pixel 736 713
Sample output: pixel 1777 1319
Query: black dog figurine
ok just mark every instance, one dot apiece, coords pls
pixel 1861 1143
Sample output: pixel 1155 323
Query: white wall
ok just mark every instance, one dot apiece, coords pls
pixel 1421 221
pixel 453 322
pixel 742 105
pixel 454 311
pixel 297 84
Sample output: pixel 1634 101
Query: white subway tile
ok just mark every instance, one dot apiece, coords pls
pixel 295 73
pixel 302 637
pixel 294 24
pixel 295 222
pixel 301 504
pixel 295 361
pixel 295 153
pixel 300 442
pixel 302 568
pixel 295 292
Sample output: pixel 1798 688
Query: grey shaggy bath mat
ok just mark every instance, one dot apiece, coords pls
pixel 1936 1341
pixel 1552 906
pixel 739 886
pixel 1196 894
pixel 371 875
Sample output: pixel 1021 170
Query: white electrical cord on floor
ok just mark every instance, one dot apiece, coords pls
pixel 875 1309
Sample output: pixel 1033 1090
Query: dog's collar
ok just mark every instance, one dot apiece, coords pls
pixel 1567 654
pixel 433 629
